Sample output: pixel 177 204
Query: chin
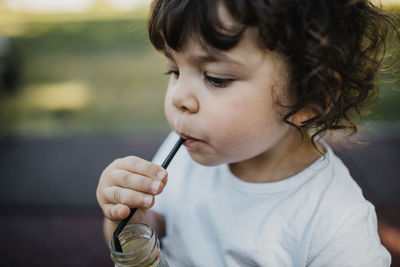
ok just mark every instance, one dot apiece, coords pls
pixel 204 160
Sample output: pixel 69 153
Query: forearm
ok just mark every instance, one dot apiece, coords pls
pixel 149 217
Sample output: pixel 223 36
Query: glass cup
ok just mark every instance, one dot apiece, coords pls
pixel 140 247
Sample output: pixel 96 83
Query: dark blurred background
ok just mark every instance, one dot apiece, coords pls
pixel 80 85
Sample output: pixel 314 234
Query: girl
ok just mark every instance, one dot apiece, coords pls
pixel 253 85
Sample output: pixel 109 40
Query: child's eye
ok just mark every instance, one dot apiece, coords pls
pixel 174 72
pixel 218 82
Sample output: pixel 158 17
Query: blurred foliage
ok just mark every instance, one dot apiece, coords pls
pixel 387 106
pixel 95 72
pixel 83 74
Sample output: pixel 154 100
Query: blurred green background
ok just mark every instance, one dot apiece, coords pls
pixel 96 72
pixel 82 73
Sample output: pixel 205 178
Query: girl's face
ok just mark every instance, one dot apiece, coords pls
pixel 223 103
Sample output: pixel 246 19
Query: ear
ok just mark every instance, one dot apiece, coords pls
pixel 305 115
pixel 312 112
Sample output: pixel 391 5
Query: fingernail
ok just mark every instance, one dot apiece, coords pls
pixel 148 200
pixel 161 174
pixel 155 186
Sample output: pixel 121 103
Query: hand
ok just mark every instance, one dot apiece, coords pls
pixel 129 182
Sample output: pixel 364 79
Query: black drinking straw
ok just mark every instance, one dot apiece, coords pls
pixel 125 221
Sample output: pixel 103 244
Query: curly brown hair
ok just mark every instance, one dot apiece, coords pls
pixel 334 49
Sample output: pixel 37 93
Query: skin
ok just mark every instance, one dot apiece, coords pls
pixel 224 105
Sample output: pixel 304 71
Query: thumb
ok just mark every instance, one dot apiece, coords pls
pixel 117 212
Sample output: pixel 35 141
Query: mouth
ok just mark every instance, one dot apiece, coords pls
pixel 191 142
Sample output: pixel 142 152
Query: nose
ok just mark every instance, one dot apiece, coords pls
pixel 183 97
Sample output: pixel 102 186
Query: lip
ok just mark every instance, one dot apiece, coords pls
pixel 191 142
pixel 184 136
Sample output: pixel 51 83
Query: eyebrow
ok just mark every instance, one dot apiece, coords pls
pixel 216 56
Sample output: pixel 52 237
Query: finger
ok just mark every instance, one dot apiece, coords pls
pixel 116 212
pixel 141 166
pixel 136 182
pixel 130 198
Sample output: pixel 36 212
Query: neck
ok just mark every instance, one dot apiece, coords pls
pixel 287 158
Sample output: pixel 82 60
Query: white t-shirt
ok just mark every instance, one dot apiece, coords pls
pixel 317 217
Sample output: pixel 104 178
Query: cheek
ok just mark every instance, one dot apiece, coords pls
pixel 250 126
pixel 168 109
pixel 254 113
